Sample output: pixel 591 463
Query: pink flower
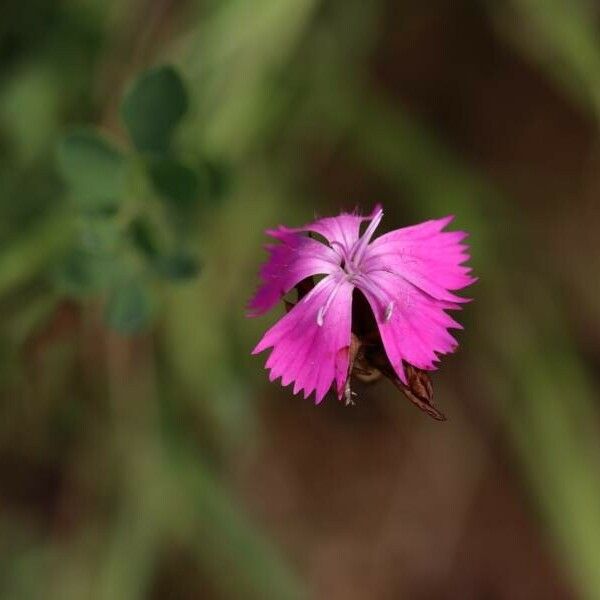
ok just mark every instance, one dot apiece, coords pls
pixel 407 276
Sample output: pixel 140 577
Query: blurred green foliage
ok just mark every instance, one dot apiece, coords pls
pixel 135 205
pixel 94 170
pixel 153 107
pixel 140 142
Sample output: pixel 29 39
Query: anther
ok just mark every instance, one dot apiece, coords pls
pixel 389 309
pixel 321 315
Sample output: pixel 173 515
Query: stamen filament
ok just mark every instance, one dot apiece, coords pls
pixel 340 250
pixel 364 284
pixel 325 307
pixel 361 245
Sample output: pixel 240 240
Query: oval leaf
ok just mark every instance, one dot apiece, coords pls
pixel 129 307
pixel 178 267
pixel 93 167
pixel 152 107
pixel 144 237
pixel 83 273
pixel 174 181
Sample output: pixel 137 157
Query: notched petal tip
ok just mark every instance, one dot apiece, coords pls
pixel 305 351
pixel 320 397
pixel 408 276
pixel 445 221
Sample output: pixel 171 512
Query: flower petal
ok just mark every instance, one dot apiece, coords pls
pixel 291 261
pixel 425 256
pixel 310 343
pixel 341 232
pixel 413 325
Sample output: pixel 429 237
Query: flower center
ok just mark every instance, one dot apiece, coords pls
pixel 351 259
pixel 350 263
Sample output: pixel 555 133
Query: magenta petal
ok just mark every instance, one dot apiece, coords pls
pixel 408 276
pixel 342 231
pixel 310 343
pixel 412 324
pixel 425 256
pixel 291 261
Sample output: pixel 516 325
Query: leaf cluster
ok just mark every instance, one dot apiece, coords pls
pixel 136 202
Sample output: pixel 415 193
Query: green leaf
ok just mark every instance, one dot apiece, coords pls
pixel 94 169
pixel 95 260
pixel 152 108
pixel 174 265
pixel 83 273
pixel 129 308
pixel 99 235
pixel 174 181
pixel 178 266
pixel 144 237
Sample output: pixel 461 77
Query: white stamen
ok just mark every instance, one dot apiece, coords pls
pixel 339 248
pixel 363 242
pixel 325 307
pixel 389 309
pixel 321 315
pixel 365 284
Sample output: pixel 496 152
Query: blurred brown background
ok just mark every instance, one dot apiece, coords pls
pixel 156 461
